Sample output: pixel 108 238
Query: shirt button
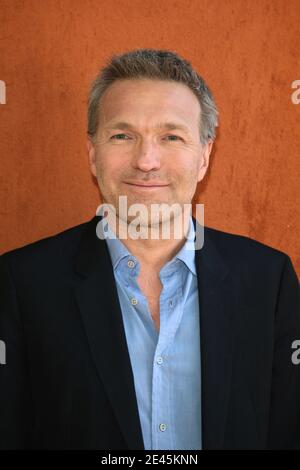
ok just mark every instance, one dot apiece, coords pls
pixel 162 427
pixel 130 263
pixel 134 301
pixel 159 360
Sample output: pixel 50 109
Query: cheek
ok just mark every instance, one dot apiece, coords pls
pixel 186 170
pixel 109 165
pixel 186 178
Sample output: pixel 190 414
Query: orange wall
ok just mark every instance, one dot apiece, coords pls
pixel 247 50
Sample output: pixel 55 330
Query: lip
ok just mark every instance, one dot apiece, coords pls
pixel 144 187
pixel 148 186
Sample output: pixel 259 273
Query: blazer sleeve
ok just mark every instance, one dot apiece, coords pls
pixel 284 417
pixel 16 410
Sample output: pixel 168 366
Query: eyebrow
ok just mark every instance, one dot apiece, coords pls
pixel 161 125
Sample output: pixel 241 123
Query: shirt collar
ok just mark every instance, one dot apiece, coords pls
pixel 118 250
pixel 187 252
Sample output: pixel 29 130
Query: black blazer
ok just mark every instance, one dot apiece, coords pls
pixel 68 382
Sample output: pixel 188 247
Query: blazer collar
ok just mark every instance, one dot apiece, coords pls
pixel 97 298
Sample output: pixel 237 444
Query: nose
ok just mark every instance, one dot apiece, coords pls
pixel 146 156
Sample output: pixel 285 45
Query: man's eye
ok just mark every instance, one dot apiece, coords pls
pixel 117 136
pixel 174 137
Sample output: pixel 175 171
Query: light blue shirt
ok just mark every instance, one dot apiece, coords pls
pixel 165 363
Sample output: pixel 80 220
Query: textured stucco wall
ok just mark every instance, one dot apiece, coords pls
pixel 247 50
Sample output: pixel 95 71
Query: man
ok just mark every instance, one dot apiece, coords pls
pixel 119 342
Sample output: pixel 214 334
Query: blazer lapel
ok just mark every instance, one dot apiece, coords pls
pixel 98 302
pixel 218 300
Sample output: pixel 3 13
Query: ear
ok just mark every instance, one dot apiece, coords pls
pixel 205 153
pixel 92 155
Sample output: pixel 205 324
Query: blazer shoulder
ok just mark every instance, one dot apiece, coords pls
pixel 240 249
pixel 58 245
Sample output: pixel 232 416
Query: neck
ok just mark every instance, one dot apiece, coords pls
pixel 155 249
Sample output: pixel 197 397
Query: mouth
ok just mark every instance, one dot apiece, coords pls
pixel 147 187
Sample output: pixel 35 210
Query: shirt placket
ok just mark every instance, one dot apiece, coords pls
pixel 162 423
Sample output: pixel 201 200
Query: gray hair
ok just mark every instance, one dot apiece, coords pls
pixel 154 64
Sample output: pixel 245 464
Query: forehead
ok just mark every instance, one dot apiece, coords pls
pixel 145 101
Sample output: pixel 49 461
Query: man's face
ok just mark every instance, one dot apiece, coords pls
pixel 134 145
